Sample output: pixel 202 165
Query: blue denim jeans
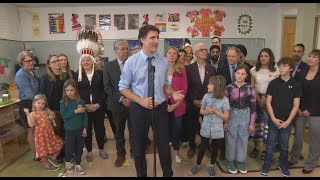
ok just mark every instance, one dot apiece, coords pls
pixel 277 135
pixel 175 125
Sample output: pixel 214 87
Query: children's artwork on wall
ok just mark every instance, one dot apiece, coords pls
pixel 173 26
pixel 178 43
pixel 105 21
pixel 90 21
pixel 162 26
pixel 160 17
pixel 146 19
pixel 132 43
pixel 133 21
pixel 173 17
pixel 75 23
pixel 244 24
pixel 56 23
pixel 36 31
pixel 35 18
pixel 120 22
pixel 205 21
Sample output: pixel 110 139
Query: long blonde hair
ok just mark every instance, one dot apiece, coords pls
pixel 177 67
pixel 37 98
pixel 69 72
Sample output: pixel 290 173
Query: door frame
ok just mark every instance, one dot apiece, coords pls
pixel 283 25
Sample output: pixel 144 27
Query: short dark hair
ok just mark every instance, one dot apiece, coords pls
pixel 216 37
pixel 143 31
pixel 301 45
pixel 287 60
pixel 182 50
pixel 315 52
pixel 242 66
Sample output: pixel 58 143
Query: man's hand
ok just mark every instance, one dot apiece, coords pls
pixel 277 122
pixel 147 103
pixel 126 102
pixel 197 102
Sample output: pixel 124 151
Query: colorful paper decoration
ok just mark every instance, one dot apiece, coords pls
pixel 56 23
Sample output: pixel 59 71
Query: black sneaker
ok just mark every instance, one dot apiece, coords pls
pixel 285 172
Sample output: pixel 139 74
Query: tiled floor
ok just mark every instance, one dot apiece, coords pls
pixel 24 166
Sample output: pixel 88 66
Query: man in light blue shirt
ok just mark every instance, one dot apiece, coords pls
pixel 134 84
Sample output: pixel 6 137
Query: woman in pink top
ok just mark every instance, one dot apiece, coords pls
pixel 178 79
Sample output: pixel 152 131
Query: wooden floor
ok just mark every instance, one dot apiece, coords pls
pixel 106 168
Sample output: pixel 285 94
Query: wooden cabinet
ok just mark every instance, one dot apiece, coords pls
pixel 13 137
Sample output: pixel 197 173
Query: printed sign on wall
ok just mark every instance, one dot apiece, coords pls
pixel 90 21
pixel 105 22
pixel 56 23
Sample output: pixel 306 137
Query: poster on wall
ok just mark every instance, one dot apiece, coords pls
pixel 75 23
pixel 132 43
pixel 206 22
pixel 146 19
pixel 105 21
pixel 162 26
pixel 244 24
pixel 90 21
pixel 120 21
pixel 35 18
pixel 173 22
pixel 178 43
pixel 56 23
pixel 36 31
pixel 133 21
pixel 160 17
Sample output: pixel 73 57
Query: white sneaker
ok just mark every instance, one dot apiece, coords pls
pixel 69 167
pixel 178 159
pixel 79 169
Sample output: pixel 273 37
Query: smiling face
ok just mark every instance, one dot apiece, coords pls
pixel 86 63
pixel 28 63
pixel 63 61
pixel 150 42
pixel 40 104
pixel 232 56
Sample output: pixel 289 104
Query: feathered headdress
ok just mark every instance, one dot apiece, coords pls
pixel 89 45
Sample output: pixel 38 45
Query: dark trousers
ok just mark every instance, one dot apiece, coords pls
pixel 216 144
pixel 97 119
pixel 23 121
pixel 193 125
pixel 111 121
pixel 120 117
pixel 275 136
pixel 184 132
pixel 74 145
pixel 175 129
pixel 141 121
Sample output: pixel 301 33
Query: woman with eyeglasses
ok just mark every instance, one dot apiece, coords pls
pixel 27 82
pixel 51 84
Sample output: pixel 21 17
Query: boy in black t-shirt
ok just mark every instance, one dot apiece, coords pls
pixel 283 99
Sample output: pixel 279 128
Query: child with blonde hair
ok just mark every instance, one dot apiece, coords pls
pixel 46 142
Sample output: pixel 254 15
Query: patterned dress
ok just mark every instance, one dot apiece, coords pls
pixel 262 80
pixel 46 142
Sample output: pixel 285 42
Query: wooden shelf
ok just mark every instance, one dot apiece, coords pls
pixel 14 143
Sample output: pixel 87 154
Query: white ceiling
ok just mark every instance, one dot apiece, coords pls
pixel 33 5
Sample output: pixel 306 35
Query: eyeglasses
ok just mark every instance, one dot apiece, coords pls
pixel 202 50
pixel 28 61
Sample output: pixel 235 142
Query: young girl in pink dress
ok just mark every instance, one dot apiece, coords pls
pixel 46 142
